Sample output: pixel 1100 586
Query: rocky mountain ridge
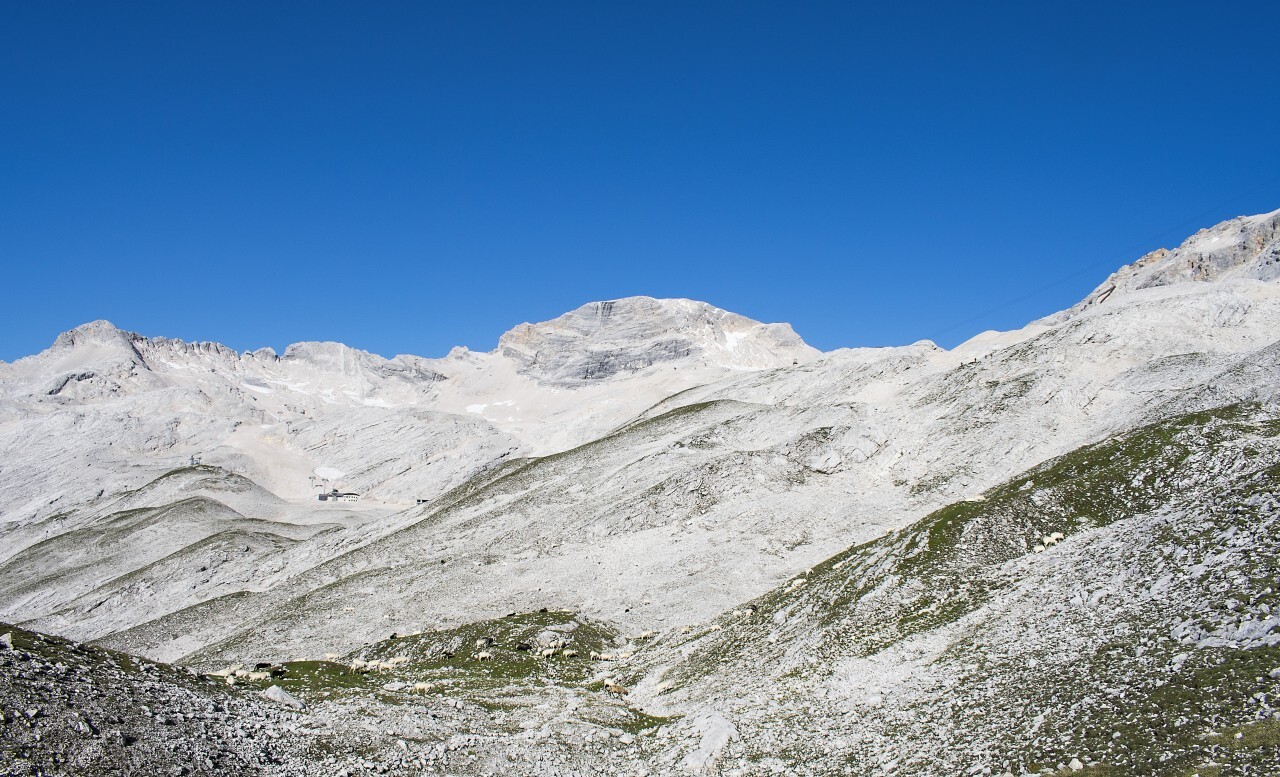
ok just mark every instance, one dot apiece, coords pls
pixel 1246 247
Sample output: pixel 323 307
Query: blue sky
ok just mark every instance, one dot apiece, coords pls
pixel 404 177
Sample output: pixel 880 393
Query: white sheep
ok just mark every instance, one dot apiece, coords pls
pixel 257 677
pixel 484 642
pixel 1038 548
pixel 484 655
pixel 1058 536
pixel 421 687
pixel 549 652
pixel 570 653
pixel 624 655
pixel 332 656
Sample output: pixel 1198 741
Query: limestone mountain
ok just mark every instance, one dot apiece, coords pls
pixel 1041 549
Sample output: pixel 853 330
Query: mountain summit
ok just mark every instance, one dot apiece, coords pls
pixel 602 339
pixel 1244 248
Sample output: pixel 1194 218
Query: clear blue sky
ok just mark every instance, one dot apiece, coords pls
pixel 404 177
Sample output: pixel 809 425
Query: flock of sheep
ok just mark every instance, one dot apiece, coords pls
pixel 1049 540
pixel 237 673
pixel 360 665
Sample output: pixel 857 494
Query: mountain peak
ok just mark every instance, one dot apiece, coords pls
pixel 1246 247
pixel 99 340
pixel 605 338
pixel 100 332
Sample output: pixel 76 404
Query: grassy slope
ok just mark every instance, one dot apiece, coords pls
pixel 448 662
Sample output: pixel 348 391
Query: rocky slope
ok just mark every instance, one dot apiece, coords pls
pixel 974 640
pixel 72 709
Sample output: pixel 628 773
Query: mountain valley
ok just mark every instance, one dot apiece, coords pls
pixel 654 537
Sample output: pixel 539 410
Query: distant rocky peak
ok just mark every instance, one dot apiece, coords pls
pixel 100 332
pixel 99 340
pixel 266 354
pixel 325 353
pixel 602 339
pixel 136 347
pixel 339 359
pixel 1246 247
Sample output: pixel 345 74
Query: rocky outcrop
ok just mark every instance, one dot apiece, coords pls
pixel 603 339
pixel 1247 247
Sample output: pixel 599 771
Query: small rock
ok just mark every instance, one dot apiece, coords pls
pixel 6 641
pixel 1075 765
pixel 280 696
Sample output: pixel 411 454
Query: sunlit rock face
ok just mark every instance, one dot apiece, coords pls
pixel 603 339
pixel 1244 248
